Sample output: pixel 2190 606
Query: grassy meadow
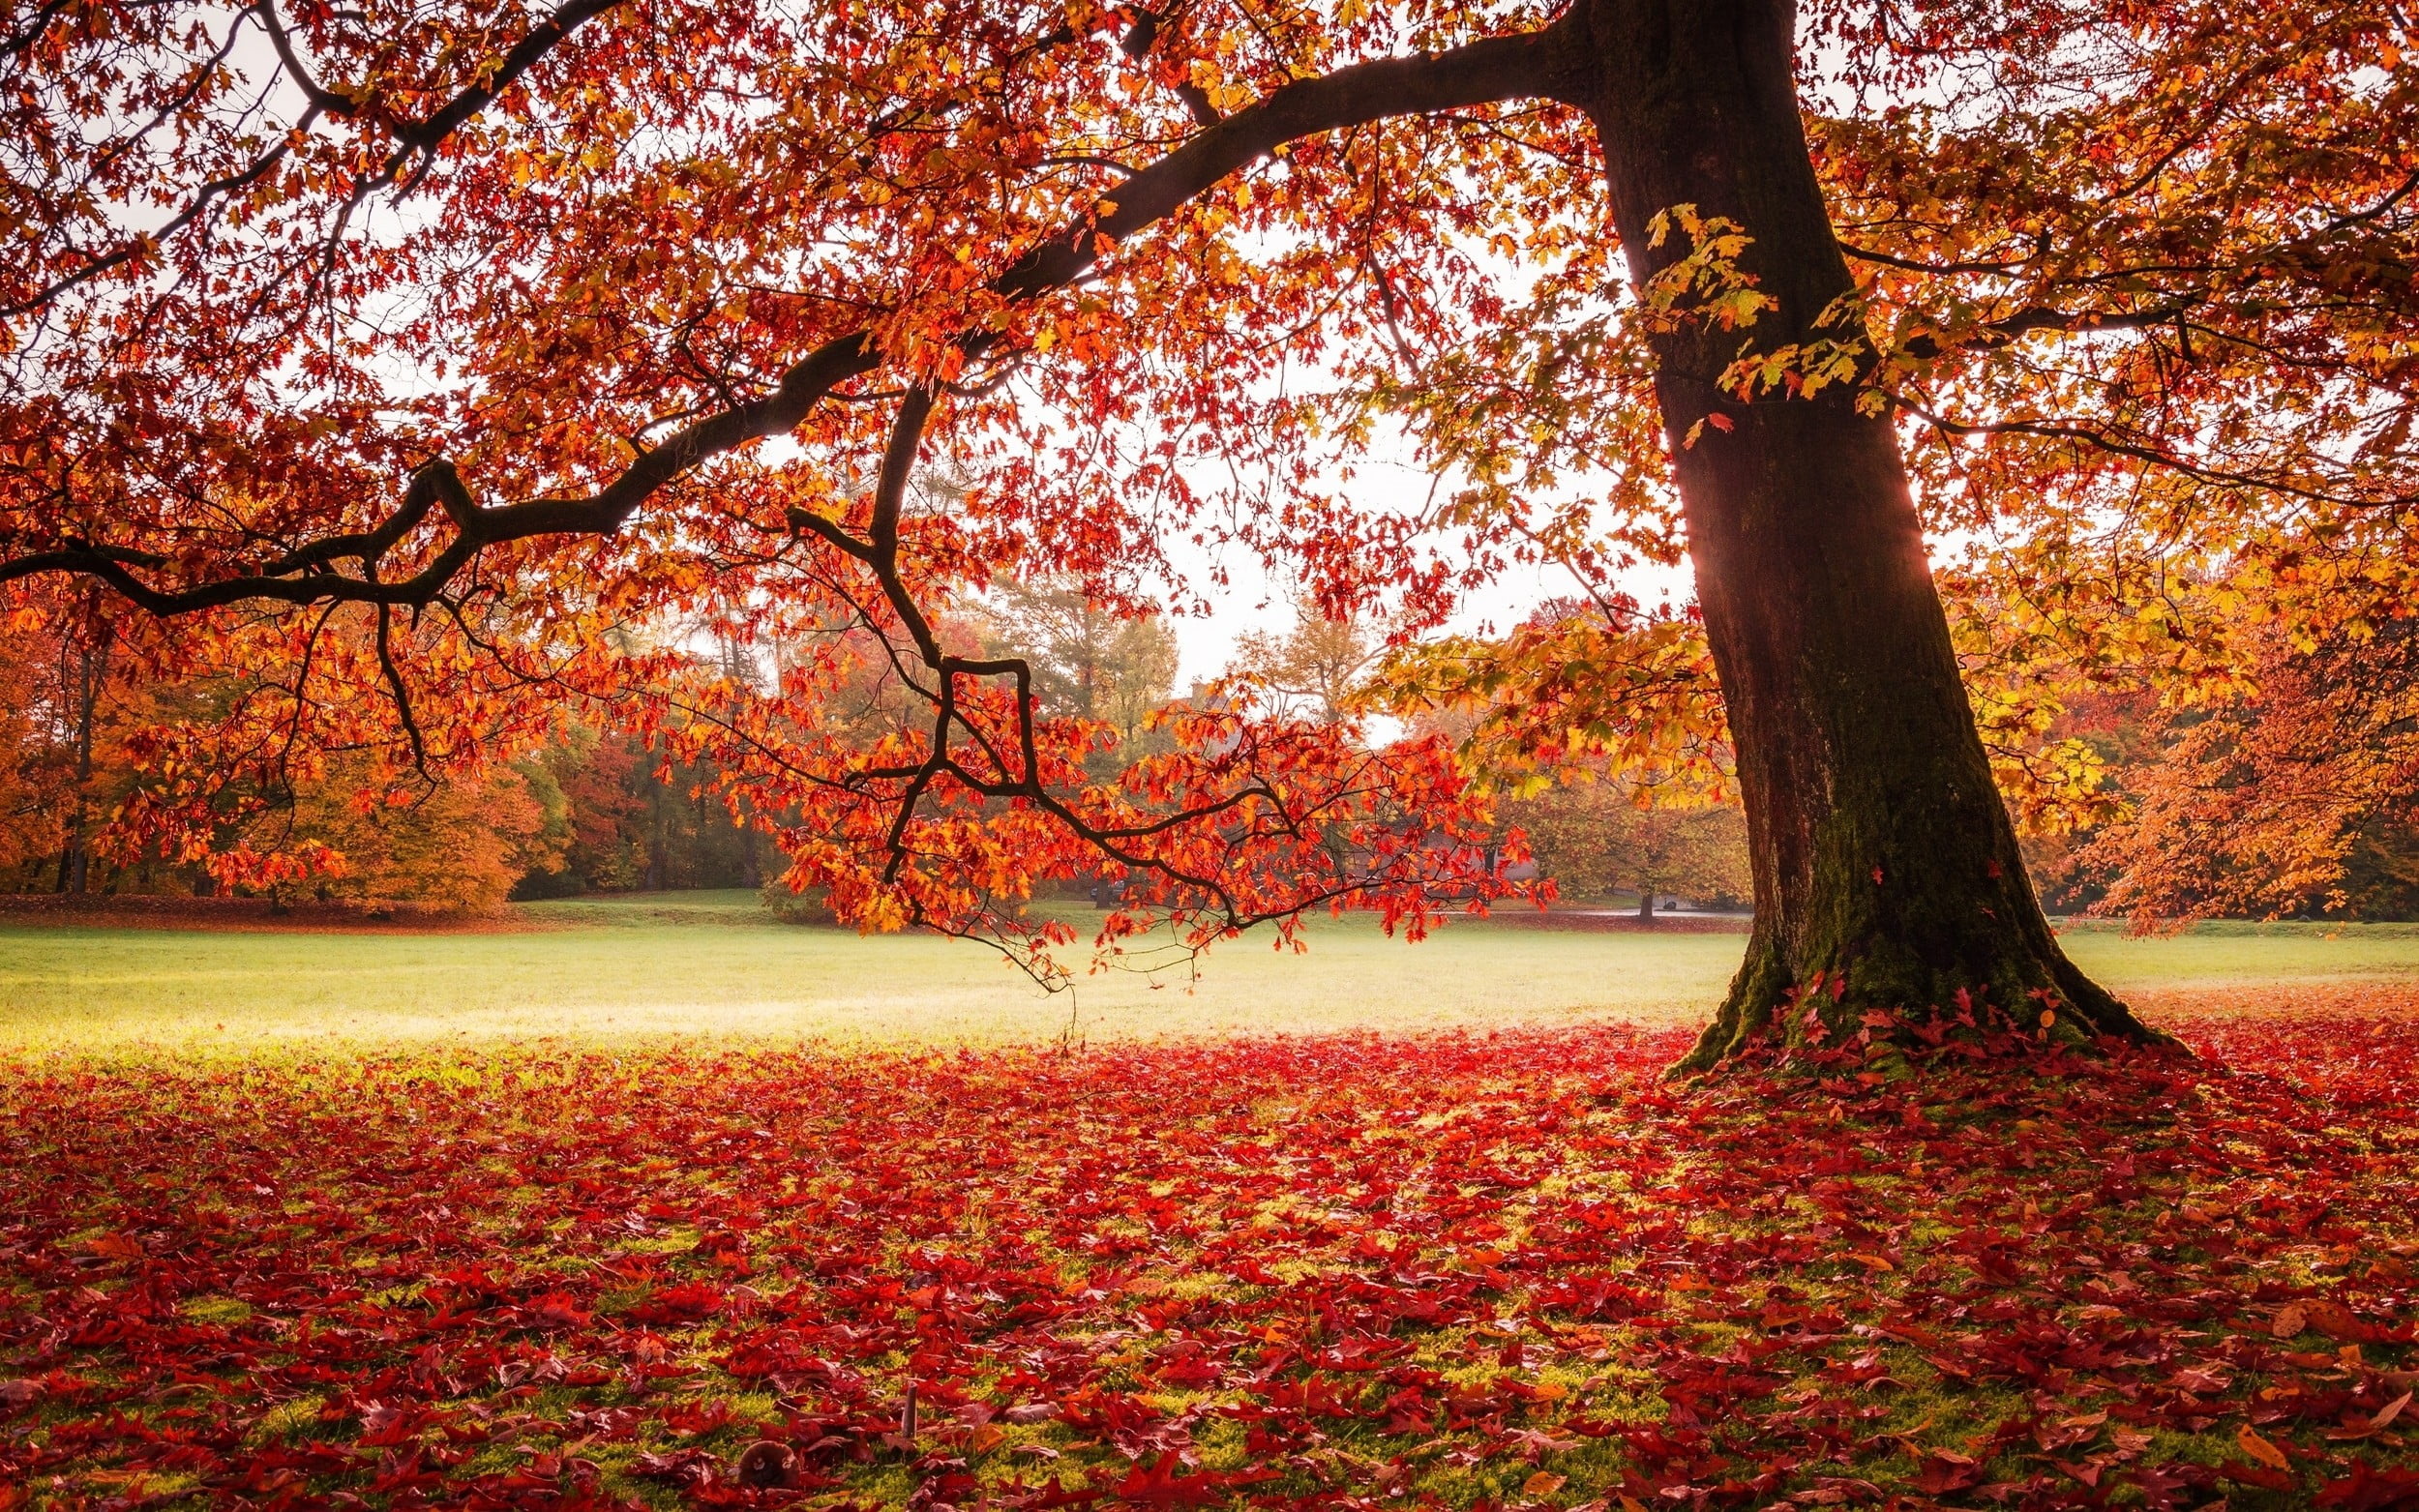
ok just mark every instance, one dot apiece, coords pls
pixel 714 965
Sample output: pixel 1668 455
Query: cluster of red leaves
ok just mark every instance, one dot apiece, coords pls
pixel 1502 1270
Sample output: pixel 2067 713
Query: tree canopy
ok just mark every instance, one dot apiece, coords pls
pixel 407 367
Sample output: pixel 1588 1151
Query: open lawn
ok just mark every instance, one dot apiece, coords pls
pixel 1461 1248
pixel 714 963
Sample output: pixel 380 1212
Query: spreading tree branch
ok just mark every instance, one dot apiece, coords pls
pixel 1494 69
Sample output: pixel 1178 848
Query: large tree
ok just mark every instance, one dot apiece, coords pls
pixel 465 323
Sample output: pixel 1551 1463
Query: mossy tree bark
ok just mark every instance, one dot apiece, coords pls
pixel 1886 874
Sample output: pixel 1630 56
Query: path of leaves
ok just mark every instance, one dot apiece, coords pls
pixel 1507 1270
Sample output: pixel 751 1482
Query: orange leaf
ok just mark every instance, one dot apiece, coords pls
pixel 2261 1449
pixel 2340 1322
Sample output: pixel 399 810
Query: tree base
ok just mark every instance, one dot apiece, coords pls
pixel 1882 995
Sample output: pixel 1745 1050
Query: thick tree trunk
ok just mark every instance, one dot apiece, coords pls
pixel 1886 874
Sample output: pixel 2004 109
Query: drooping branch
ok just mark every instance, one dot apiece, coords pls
pixel 1018 772
pixel 304 575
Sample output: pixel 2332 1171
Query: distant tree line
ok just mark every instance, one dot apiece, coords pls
pixel 597 808
pixel 2292 793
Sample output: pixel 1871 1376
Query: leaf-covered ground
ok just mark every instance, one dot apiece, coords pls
pixel 1510 1270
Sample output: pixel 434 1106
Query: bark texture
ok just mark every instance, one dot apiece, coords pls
pixel 1887 872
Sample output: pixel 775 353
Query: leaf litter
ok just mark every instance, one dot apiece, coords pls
pixel 1509 1271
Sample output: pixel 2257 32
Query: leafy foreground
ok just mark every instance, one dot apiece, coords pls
pixel 1504 1271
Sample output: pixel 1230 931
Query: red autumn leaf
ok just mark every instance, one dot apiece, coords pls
pixel 2376 1423
pixel 2261 1476
pixel 2338 1321
pixel 1163 1481
pixel 1943 1471
pixel 2370 1488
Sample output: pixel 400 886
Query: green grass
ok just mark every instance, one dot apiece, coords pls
pixel 2227 952
pixel 714 965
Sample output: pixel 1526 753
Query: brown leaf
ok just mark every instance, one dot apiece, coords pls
pixel 765 1464
pixel 2339 1323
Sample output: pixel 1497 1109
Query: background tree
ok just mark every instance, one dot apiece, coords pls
pixel 1595 837
pixel 434 329
pixel 85 742
pixel 457 846
pixel 602 778
pixel 29 823
pixel 1318 669
pixel 2297 793
pixel 1090 661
